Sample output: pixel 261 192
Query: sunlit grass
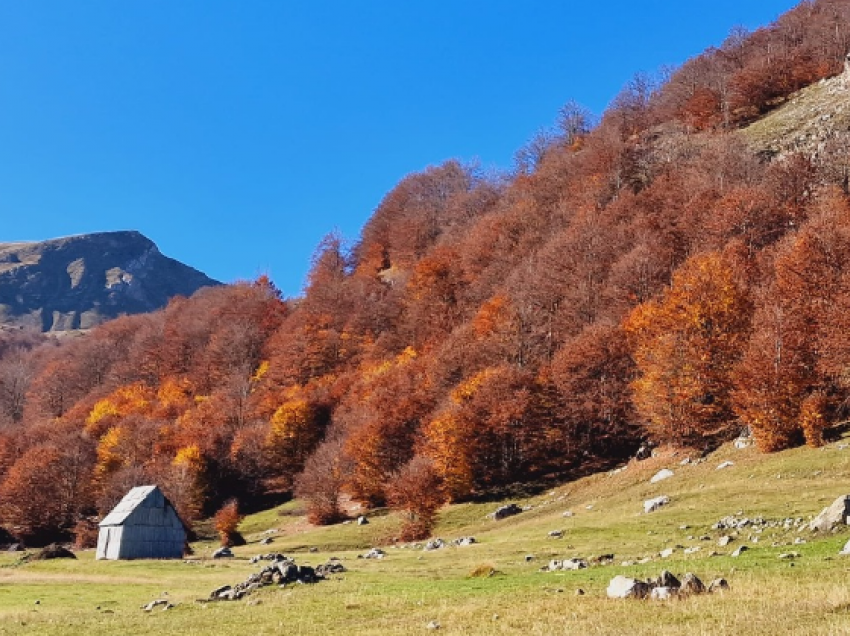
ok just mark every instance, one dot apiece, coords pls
pixel 492 587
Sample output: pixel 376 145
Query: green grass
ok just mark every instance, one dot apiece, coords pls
pixel 402 593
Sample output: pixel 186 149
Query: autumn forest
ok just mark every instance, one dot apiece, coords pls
pixel 647 277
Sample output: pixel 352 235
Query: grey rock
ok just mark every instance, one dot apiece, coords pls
pixel 663 593
pixel 718 585
pixel 374 553
pixel 222 553
pixel 503 512
pixel 661 475
pixel 362 521
pixel 837 513
pixel 740 551
pixel 625 587
pixel 691 584
pixel 651 505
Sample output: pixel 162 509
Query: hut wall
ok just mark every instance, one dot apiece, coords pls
pixel 152 542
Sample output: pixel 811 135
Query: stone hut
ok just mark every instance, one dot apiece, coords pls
pixel 144 525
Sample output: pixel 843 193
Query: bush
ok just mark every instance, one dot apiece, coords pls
pixel 226 522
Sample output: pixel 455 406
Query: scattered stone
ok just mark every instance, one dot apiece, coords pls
pixel 666 579
pixel 166 605
pixel 663 593
pixel 433 625
pixel 579 592
pixel 692 550
pixel 313 549
pixel 568 513
pixel 624 587
pixel 435 544
pixel 718 585
pixel 568 564
pixel 661 475
pixel 789 555
pixel 362 521
pixel 797 541
pixel 529 557
pixel 603 559
pixel 281 573
pixel 685 461
pixel 726 464
pixel 743 442
pixel 724 541
pixel 691 584
pixel 574 564
pixel 740 551
pixel 651 505
pixel 644 452
pixel 16 547
pixel 834 515
pixel 464 541
pixel 223 553
pixel 556 534
pixel 845 549
pixel 666 552
pixel 267 541
pixel 374 553
pixel 503 512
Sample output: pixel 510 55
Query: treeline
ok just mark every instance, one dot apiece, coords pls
pixel 647 278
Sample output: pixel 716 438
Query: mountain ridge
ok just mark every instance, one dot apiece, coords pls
pixel 79 281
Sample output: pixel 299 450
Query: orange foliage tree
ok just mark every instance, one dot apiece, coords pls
pixel 417 492
pixel 685 345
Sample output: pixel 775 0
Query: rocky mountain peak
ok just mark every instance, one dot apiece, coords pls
pixel 76 282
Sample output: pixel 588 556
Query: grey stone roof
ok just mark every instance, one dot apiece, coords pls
pixel 145 503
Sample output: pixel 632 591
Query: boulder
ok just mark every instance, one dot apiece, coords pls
pixel 834 515
pixel 464 541
pixel 724 541
pixel 661 475
pixel 666 579
pixel 574 564
pixel 740 551
pixel 663 593
pixel 718 585
pixel 435 544
pixel 691 584
pixel 651 505
pixel 624 587
pixel 54 551
pixel 223 553
pixel 374 553
pixel 666 552
pixel 503 512
pixel 362 521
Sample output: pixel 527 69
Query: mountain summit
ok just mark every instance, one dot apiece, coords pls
pixel 77 282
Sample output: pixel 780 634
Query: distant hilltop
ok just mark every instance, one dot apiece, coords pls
pixel 77 282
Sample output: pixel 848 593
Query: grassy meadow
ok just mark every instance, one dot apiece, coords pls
pixel 410 588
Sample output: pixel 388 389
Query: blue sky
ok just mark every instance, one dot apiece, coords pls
pixel 237 134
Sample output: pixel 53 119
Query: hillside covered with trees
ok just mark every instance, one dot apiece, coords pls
pixel 650 276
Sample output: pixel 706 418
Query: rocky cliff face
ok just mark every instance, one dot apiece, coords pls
pixel 814 122
pixel 79 281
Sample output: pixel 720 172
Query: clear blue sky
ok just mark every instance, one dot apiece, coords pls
pixel 236 134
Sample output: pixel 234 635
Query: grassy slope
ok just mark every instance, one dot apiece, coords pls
pixel 403 592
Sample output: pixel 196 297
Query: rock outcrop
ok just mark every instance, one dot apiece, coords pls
pixel 79 281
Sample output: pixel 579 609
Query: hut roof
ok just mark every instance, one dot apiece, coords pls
pixel 136 502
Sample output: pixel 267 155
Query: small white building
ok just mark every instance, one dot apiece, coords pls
pixel 144 525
